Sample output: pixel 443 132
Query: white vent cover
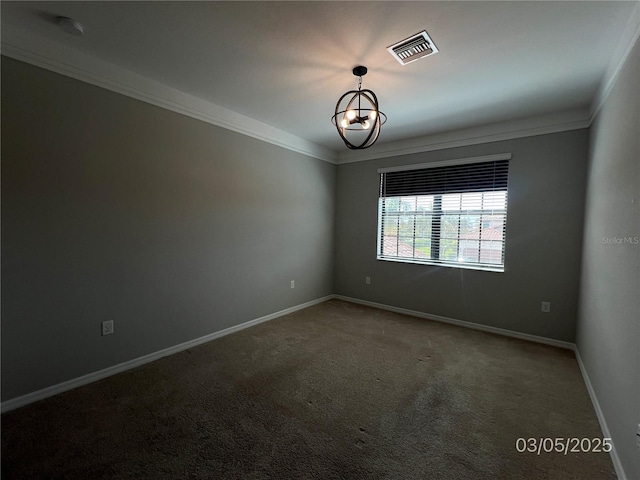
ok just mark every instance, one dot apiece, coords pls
pixel 411 49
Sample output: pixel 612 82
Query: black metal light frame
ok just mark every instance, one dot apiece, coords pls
pixel 361 115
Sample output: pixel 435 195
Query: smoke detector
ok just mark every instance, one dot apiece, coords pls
pixel 70 26
pixel 413 48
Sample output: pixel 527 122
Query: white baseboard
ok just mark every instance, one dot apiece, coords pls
pixel 107 372
pixel 524 336
pixel 462 323
pixel 136 362
pixel 617 464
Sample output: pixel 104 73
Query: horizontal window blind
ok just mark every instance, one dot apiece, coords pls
pixel 474 177
pixel 453 215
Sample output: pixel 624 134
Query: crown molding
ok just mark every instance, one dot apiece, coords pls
pixel 553 123
pixel 527 127
pixel 59 59
pixel 628 40
pixel 21 46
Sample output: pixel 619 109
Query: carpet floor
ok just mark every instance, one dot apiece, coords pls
pixel 335 391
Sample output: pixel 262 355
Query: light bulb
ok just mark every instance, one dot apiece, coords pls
pixel 351 114
pixel 365 124
pixel 373 114
pixel 344 123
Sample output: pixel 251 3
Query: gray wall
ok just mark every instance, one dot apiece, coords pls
pixel 608 335
pixel 174 228
pixel 544 233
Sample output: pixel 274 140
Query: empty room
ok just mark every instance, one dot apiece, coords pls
pixel 320 240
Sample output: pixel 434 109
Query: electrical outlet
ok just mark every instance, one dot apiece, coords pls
pixel 293 284
pixel 107 327
pixel 367 280
pixel 546 307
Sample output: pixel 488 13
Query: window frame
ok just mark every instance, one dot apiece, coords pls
pixel 441 213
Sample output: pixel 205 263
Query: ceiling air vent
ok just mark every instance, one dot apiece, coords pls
pixel 412 48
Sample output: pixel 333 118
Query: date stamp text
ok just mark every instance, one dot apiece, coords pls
pixel 564 445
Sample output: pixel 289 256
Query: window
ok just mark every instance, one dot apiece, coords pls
pixel 447 213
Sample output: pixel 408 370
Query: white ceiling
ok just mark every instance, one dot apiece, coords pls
pixel 286 63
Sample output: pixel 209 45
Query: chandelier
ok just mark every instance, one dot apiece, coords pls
pixel 357 117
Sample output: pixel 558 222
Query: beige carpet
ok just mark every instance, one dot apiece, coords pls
pixel 336 391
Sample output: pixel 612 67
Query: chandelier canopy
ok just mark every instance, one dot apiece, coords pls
pixel 357 117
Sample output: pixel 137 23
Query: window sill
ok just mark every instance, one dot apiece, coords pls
pixel 465 266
